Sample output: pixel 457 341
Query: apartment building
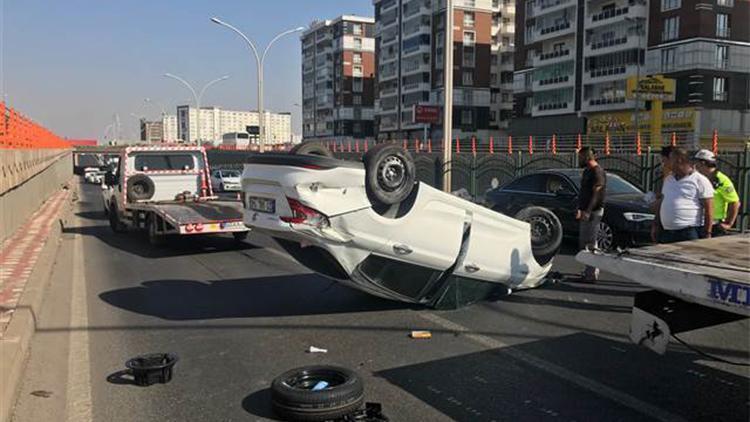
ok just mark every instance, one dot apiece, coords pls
pixel 573 58
pixel 215 122
pixel 338 74
pixel 169 127
pixel 705 47
pixel 152 131
pixel 410 48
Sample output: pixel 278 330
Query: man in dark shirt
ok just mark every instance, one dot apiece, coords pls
pixel 590 205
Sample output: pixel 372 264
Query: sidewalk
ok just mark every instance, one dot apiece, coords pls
pixel 20 252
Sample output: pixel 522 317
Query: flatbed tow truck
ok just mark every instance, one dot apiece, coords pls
pixel 166 190
pixel 695 284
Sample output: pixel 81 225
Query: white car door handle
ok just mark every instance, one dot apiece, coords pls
pixel 402 249
pixel 471 268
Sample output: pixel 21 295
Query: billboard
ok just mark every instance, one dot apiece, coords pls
pixel 680 119
pixel 650 88
pixel 427 114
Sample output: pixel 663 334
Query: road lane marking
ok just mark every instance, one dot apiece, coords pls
pixel 79 405
pixel 592 386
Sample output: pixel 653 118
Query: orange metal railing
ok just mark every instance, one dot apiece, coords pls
pixel 19 132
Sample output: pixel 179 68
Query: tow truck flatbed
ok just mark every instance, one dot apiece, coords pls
pixel 212 216
pixel 696 284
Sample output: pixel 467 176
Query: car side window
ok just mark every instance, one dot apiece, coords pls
pixel 405 279
pixel 555 184
pixel 530 183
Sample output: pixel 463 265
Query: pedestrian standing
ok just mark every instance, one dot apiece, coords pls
pixel 726 200
pixel 685 211
pixel 590 205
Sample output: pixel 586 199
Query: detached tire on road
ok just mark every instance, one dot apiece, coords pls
pixel 390 174
pixel 546 232
pixel 140 187
pixel 293 398
pixel 311 148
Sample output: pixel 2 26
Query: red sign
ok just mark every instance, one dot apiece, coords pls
pixel 427 114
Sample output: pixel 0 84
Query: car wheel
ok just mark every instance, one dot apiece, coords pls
pixel 311 148
pixel 389 174
pixel 297 394
pixel 546 232
pixel 222 188
pixel 240 236
pixel 140 187
pixel 154 237
pixel 605 237
pixel 114 220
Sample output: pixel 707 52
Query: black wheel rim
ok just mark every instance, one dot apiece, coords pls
pixel 541 230
pixel 307 380
pixel 605 238
pixel 391 173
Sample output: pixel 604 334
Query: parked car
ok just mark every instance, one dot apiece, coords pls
pixel 371 226
pixel 627 214
pixel 226 180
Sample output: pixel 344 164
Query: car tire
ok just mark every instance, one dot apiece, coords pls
pixel 240 236
pixel 222 188
pixel 114 220
pixel 154 238
pixel 606 238
pixel 293 399
pixel 390 174
pixel 140 188
pixel 311 148
pixel 546 232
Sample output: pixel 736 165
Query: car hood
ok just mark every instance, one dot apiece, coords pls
pixel 630 201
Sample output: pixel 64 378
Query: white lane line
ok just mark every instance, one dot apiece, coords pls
pixel 79 406
pixel 592 386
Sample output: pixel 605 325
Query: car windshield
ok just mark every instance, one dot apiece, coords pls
pixel 230 173
pixel 615 184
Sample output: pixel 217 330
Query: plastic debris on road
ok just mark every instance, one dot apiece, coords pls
pixel 314 349
pixel 420 334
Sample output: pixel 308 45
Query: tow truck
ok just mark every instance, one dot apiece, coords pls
pixel 695 284
pixel 166 190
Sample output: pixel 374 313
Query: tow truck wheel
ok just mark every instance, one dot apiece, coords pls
pixel 317 393
pixel 154 238
pixel 546 232
pixel 389 174
pixel 114 220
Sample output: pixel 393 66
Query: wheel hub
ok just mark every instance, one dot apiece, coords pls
pixel 541 229
pixel 391 173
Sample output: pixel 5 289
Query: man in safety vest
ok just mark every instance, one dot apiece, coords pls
pixel 726 200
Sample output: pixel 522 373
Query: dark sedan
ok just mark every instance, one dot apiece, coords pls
pixel 627 216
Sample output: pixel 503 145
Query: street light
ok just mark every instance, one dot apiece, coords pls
pixel 197 97
pixel 259 60
pixel 639 29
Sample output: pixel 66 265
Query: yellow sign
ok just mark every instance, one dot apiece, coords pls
pixel 650 88
pixel 623 122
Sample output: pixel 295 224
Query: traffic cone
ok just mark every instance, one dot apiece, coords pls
pixel 554 144
pixel 715 142
pixel 638 149
pixel 474 145
pixel 510 145
pixel 531 145
pixel 458 146
pixel 674 139
pixel 606 143
pixel 429 145
pixel 492 145
pixel 579 143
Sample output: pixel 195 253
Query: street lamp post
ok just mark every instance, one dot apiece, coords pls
pixel 448 100
pixel 637 107
pixel 259 60
pixel 197 97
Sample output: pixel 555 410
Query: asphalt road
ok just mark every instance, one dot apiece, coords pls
pixel 237 316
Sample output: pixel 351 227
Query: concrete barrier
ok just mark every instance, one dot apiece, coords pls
pixel 29 178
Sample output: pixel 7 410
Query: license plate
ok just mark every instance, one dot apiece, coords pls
pixel 262 204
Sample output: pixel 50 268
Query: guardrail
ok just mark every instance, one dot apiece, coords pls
pixel 19 131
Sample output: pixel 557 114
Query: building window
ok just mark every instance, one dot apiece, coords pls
pixel 470 3
pixel 357 58
pixel 469 38
pixel 468 19
pixel 468 97
pixel 469 57
pixel 720 89
pixel 671 28
pixel 670 5
pixel 725 3
pixel 466 117
pixel 357 100
pixel 722 25
pixel 357 71
pixel 357 85
pixel 667 59
pixel 357 43
pixel 357 29
pixel 468 78
pixel 722 56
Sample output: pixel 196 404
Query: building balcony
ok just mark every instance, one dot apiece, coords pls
pixel 552 57
pixel 554 31
pixel 613 16
pixel 553 108
pixel 622 43
pixel 387 92
pixel 557 82
pixel 422 67
pixel 413 87
pixel 386 6
pixel 421 49
pixel 546 7
pixel 506 48
pixel 609 74
pixel 607 104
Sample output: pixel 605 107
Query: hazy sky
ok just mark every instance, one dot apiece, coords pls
pixel 72 64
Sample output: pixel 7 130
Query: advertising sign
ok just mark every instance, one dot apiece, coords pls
pixel 427 114
pixel 651 88
pixel 621 122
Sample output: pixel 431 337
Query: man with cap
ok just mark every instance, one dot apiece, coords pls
pixel 726 200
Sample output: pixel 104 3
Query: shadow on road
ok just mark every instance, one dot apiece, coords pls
pixel 137 243
pixel 575 377
pixel 304 294
pixel 259 404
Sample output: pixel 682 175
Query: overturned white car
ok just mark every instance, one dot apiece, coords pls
pixel 369 225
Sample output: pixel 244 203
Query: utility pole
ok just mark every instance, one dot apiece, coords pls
pixel 448 97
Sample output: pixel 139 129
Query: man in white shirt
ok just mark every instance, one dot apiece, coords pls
pixel 686 207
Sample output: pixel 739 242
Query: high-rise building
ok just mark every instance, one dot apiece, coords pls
pixel 338 71
pixel 169 125
pixel 705 47
pixel 573 59
pixel 152 132
pixel 215 122
pixel 410 48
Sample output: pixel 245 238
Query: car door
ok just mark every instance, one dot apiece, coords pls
pixel 559 196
